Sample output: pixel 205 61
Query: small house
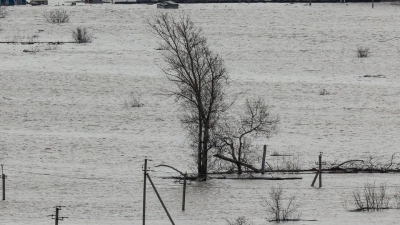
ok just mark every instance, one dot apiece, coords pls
pixel 167 5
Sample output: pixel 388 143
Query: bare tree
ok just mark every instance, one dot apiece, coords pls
pixel 199 75
pixel 233 138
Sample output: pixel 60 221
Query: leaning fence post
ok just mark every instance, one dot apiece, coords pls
pixel 315 178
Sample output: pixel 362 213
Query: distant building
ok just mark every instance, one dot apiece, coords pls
pixel 13 2
pixel 94 1
pixel 39 2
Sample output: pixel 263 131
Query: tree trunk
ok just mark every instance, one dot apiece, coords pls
pixel 239 160
pixel 204 158
pixel 200 148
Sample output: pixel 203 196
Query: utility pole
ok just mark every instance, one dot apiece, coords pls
pixel 3 177
pixel 144 190
pixel 57 217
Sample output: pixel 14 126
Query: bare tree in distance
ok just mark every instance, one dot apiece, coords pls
pixel 199 76
pixel 233 138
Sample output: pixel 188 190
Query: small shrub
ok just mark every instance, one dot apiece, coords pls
pixel 81 35
pixel 371 198
pixel 324 92
pixel 280 209
pixel 31 39
pixel 397 199
pixel 57 16
pixel 240 221
pixel 3 11
pixel 362 52
pixel 134 100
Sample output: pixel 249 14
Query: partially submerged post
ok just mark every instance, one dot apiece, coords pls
pixel 184 192
pixel 320 169
pixel 3 177
pixel 319 172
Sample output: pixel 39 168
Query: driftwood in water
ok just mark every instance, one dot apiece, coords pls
pixel 193 178
pixel 36 42
pixel 259 178
pixel 237 162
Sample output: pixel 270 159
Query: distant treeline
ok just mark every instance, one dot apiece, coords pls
pixel 248 1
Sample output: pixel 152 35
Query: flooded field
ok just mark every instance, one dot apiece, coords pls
pixel 66 137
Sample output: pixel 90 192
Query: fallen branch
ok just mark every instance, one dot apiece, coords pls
pixel 391 162
pixel 171 168
pixel 237 162
pixel 349 161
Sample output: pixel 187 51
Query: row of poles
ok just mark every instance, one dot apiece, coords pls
pixel 147 176
pixel 56 217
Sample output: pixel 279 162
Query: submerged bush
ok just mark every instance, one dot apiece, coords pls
pixel 362 52
pixel 134 100
pixel 371 198
pixel 57 16
pixel 240 221
pixel 82 35
pixel 280 209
